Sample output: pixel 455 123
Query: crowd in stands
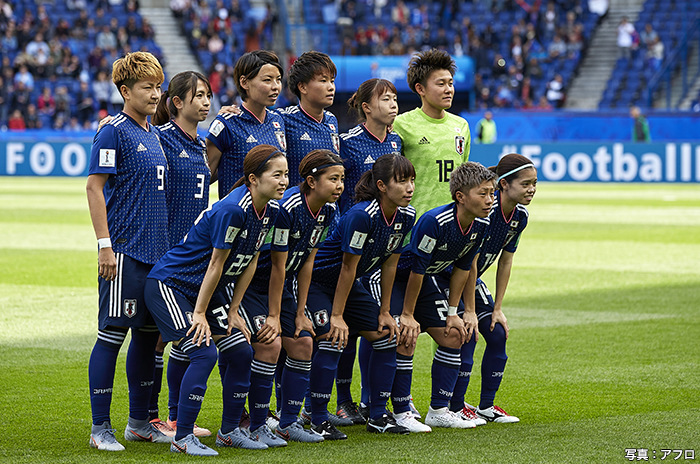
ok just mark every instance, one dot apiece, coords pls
pixel 57 56
pixel 525 52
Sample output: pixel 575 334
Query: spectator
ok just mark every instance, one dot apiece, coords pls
pixel 25 78
pixel 73 125
pixel 102 88
pixel 526 90
pixel 4 100
pixel 648 36
pixel 574 46
pixel 400 13
pixel 556 48
pixel 20 97
pixel 544 104
pixel 46 103
pixel 503 97
pixel 348 47
pixel 625 37
pixel 63 103
pixel 555 91
pixel 549 21
pixel 86 102
pixel 31 118
pixel 9 41
pixel 16 121
pixel 106 38
pixel 533 69
pixel 640 130
pixel 655 54
pixel 458 50
pixel 498 67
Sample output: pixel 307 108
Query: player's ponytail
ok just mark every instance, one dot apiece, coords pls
pixel 385 168
pixel 255 162
pixel 510 167
pixel 180 86
pixel 314 164
pixel 364 94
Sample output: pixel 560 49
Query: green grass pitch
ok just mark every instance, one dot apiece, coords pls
pixel 603 305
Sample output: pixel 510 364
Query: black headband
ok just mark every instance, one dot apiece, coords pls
pixel 323 166
pixel 260 167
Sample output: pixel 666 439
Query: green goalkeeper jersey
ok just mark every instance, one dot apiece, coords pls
pixel 435 147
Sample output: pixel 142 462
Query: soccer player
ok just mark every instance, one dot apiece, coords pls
pixel 369 237
pixel 375 105
pixel 276 299
pixel 182 107
pixel 126 191
pixel 433 274
pixel 258 77
pixel 188 294
pixel 435 140
pixel 308 125
pixel 517 183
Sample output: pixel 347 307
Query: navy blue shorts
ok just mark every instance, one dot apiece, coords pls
pixel 172 311
pixel 121 300
pixel 373 284
pixel 431 306
pixel 361 309
pixel 483 300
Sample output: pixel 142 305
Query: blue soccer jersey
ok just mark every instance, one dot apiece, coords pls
pixel 135 193
pixel 304 134
pixel 503 233
pixel 359 149
pixel 363 230
pixel 439 241
pixel 188 179
pixel 229 224
pixel 297 231
pixel 235 134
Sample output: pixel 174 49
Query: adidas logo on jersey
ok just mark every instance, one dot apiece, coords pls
pixel 141 147
pixel 443 247
pixel 251 139
pixel 183 154
pixel 306 136
pixel 423 141
pixel 369 160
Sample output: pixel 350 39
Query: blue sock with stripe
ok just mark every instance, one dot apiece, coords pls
pixel 178 361
pixel 153 409
pixel 295 381
pixel 465 372
pixel 444 373
pixel 279 401
pixel 194 385
pixel 261 377
pixel 235 356
pixel 401 391
pixel 140 365
pixel 493 363
pixel 346 365
pixel 382 367
pixel 101 369
pixel 323 369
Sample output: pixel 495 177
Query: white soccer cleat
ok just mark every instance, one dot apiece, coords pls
pixel 496 414
pixel 468 412
pixel 406 419
pixel 105 440
pixel 443 417
pixel 192 446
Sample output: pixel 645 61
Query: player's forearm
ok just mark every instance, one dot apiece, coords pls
pixel 458 281
pixel 304 282
pixel 387 283
pixel 342 290
pixel 243 282
pixel 277 275
pixel 211 280
pixel 505 264
pixel 97 206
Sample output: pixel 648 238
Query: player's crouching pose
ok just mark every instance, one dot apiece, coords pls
pixel 126 192
pixel 517 183
pixel 187 293
pixel 369 236
pixel 276 299
pixel 433 274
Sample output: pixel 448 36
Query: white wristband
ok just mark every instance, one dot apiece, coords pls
pixel 104 243
pixel 452 311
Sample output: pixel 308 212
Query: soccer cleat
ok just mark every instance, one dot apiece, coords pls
pixel 164 428
pixel 338 421
pixel 105 440
pixel 386 424
pixel 406 419
pixel 413 409
pixel 199 432
pixel 296 432
pixel 328 431
pixel 238 438
pixel 272 421
pixel 146 433
pixel 443 417
pixel 363 409
pixel 264 435
pixel 304 417
pixel 469 412
pixel 496 414
pixel 192 446
pixel 349 410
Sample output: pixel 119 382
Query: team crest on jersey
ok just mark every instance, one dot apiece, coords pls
pixel 336 142
pixel 259 321
pixel 281 140
pixel 394 242
pixel 321 318
pixel 188 315
pixel 315 235
pixel 261 238
pixel 459 144
pixel 397 318
pixel 130 308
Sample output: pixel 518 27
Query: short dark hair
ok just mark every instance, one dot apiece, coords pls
pixel 367 90
pixel 424 63
pixel 308 65
pixel 249 66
